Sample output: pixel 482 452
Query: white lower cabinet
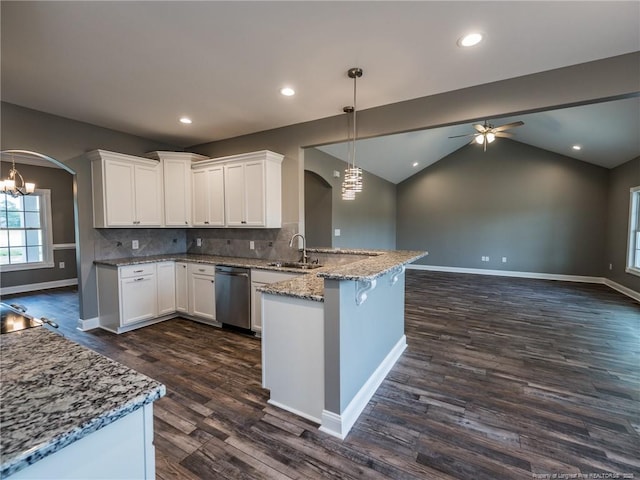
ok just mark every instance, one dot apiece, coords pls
pixel 260 278
pixel 182 287
pixel 202 291
pixel 166 272
pixel 127 295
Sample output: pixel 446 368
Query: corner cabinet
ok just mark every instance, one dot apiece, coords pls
pixel 260 278
pixel 127 190
pixel 176 175
pixel 239 191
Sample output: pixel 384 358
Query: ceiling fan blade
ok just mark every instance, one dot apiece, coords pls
pixel 479 127
pixel 504 134
pixel 507 126
pixel 467 135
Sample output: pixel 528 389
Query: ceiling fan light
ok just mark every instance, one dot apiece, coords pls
pixel 480 139
pixel 490 137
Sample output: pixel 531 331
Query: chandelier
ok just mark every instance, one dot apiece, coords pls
pixel 14 184
pixel 352 183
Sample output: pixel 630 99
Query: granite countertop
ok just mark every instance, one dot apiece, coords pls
pixel 310 284
pixel 54 392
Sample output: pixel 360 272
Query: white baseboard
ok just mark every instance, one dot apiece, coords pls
pixel 509 273
pixel 339 425
pixel 89 324
pixel 32 287
pixel 541 276
pixel 622 289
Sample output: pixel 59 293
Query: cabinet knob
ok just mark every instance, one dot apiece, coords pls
pixel 206 223
pixel 243 221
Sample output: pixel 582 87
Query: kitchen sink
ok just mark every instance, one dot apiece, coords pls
pixel 300 265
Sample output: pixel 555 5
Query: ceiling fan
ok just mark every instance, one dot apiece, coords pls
pixel 487 133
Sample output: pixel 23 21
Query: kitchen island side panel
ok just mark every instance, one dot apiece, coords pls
pixel 359 338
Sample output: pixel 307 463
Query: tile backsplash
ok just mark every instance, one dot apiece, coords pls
pixel 269 243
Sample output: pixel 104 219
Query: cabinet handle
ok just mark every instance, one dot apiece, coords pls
pixel 206 223
pixel 201 269
pixel 138 271
pixel 139 279
pixel 186 223
pixel 243 221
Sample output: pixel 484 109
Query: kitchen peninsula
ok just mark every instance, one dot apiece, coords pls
pixel 329 334
pixel 68 412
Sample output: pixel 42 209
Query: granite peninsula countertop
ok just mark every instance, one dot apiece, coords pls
pixel 310 284
pixel 54 392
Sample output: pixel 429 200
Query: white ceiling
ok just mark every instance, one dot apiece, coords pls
pixel 608 132
pixel 137 66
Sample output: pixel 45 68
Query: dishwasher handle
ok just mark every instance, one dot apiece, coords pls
pixel 232 274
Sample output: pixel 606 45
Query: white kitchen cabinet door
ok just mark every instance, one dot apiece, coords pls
pixel 148 195
pixel 208 197
pixel 260 278
pixel 127 190
pixel 177 192
pixel 118 190
pixel 254 194
pixel 182 287
pixel 166 273
pixel 202 292
pixel 234 195
pixel 138 299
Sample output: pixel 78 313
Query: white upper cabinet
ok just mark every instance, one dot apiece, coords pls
pixel 208 196
pixel 252 190
pixel 127 190
pixel 176 167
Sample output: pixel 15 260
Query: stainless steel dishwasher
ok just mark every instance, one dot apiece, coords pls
pixel 233 296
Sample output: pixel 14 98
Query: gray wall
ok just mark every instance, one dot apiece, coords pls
pixel 621 180
pixel 607 78
pixel 369 221
pixel 318 208
pixel 60 182
pixel 543 211
pixel 64 139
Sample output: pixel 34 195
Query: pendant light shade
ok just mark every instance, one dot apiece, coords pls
pixel 14 184
pixel 352 183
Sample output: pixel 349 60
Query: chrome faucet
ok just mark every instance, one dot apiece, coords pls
pixel 305 259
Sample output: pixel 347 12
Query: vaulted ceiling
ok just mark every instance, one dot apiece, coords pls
pixel 138 66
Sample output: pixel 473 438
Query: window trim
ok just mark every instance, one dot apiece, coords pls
pixel 47 248
pixel 634 226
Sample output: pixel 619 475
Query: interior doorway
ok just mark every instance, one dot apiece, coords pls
pixel 317 210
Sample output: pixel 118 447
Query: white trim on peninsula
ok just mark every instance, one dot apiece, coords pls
pixel 339 425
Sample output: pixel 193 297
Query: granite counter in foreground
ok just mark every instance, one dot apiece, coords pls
pixel 54 392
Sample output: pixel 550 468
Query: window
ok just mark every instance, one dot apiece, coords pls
pixel 25 233
pixel 633 255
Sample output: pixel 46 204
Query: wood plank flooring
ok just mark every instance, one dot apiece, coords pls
pixel 503 379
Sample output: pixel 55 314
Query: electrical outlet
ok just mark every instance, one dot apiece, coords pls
pixel 252 245
pixel 135 244
pixel 485 259
pixel 611 266
pixel 198 242
pixel 504 259
pixel 336 232
pixel 61 265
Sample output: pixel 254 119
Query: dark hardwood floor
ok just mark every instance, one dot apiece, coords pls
pixel 503 378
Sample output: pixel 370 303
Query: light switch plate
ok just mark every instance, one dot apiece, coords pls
pixel 252 245
pixel 134 244
pixel 336 232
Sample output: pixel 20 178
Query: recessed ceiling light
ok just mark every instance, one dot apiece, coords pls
pixel 287 91
pixel 415 164
pixel 185 120
pixel 577 147
pixel 470 40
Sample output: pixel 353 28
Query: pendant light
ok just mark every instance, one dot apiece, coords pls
pixel 14 184
pixel 352 183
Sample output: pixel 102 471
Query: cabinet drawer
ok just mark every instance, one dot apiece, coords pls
pixel 203 269
pixel 137 270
